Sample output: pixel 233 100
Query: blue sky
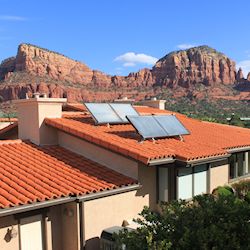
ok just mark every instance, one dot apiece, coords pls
pixel 119 37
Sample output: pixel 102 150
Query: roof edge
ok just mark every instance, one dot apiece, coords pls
pixel 207 159
pixel 25 208
pixel 111 192
pixel 156 162
pixel 43 204
pixel 238 149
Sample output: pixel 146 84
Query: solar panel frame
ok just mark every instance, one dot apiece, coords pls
pixel 172 125
pixel 150 128
pixel 119 110
pixel 99 116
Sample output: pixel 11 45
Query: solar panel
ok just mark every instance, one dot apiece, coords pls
pixel 123 110
pixel 103 113
pixel 171 125
pixel 147 126
pixel 157 126
pixel 113 113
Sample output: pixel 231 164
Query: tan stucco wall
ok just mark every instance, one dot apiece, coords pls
pixel 5 223
pixel 110 211
pixel 219 173
pixel 31 114
pixel 107 158
pixel 147 178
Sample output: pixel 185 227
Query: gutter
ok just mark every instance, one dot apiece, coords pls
pixel 106 193
pixel 207 160
pixel 59 201
pixel 235 150
pixel 34 206
pixel 161 161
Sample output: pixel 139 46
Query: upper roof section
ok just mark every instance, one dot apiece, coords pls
pixel 29 174
pixel 205 140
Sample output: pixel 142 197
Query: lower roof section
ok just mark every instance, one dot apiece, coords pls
pixel 32 174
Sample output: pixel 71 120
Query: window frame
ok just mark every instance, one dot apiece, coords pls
pixel 233 159
pixel 172 172
pixel 193 185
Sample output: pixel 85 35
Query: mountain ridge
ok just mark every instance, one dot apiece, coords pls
pixel 38 69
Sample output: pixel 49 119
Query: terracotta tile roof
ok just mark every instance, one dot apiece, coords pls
pixel 206 139
pixel 29 173
pixel 74 107
pixel 3 119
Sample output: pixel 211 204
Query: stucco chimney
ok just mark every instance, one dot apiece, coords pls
pixel 31 113
pixel 124 99
pixel 154 103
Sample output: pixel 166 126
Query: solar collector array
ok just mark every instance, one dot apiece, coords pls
pixel 148 126
pixel 158 126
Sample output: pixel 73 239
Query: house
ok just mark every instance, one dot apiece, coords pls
pixel 66 179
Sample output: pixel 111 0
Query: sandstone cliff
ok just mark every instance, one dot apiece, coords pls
pixel 196 65
pixel 37 69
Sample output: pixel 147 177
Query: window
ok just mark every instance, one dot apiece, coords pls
pixel 192 181
pixel 239 164
pixel 163 184
pixel 200 179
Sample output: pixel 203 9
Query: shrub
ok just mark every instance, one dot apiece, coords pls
pixel 226 190
pixel 208 222
pixel 241 188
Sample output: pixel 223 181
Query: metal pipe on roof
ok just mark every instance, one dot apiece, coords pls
pixel 81 225
pixel 106 193
pixel 34 206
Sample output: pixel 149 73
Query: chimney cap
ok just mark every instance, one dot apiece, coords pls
pixel 39 95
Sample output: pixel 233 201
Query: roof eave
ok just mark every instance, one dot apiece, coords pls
pixel 106 193
pixel 156 162
pixel 43 204
pixel 34 206
pixel 239 149
pixel 206 160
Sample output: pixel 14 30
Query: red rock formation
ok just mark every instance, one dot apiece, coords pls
pixel 36 69
pixel 248 77
pixel 196 65
pixel 239 75
pixel 42 62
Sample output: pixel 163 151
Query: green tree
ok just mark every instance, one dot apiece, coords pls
pixel 207 222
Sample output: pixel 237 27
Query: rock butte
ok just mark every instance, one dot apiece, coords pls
pixel 37 69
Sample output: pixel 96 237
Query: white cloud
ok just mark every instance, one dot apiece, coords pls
pixel 12 18
pixel 131 59
pixel 245 66
pixel 129 64
pixel 185 46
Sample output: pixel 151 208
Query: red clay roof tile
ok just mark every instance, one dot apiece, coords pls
pixel 29 173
